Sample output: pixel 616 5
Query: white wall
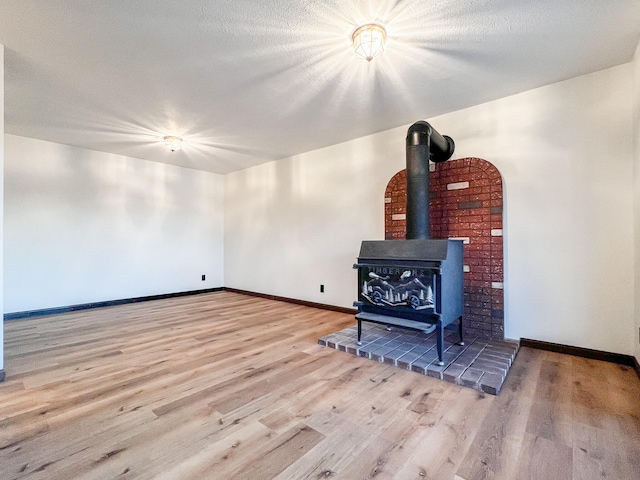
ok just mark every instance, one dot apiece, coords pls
pixel 1 198
pixel 85 226
pixel 294 224
pixel 636 182
pixel 565 153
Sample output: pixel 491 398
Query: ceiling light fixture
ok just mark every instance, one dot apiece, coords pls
pixel 368 40
pixel 174 143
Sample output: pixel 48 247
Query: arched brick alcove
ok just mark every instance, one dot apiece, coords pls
pixel 465 202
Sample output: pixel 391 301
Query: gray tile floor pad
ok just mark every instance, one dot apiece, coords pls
pixel 481 364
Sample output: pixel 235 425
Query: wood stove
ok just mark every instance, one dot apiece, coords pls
pixel 415 283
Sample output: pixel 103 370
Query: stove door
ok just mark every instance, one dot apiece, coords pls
pixel 397 290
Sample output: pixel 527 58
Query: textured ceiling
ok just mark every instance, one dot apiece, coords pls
pixel 244 82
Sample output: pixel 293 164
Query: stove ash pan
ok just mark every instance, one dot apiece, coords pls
pixel 415 284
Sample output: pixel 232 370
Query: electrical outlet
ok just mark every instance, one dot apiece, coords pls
pixel 321 288
pixel 203 277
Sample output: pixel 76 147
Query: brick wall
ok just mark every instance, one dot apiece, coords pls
pixel 466 202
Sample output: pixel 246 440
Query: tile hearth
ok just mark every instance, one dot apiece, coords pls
pixel 481 364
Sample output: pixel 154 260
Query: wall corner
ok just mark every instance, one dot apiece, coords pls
pixel 636 198
pixel 2 372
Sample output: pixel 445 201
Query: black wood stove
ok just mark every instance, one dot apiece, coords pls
pixel 415 283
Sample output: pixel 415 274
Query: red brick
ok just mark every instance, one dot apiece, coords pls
pixel 484 253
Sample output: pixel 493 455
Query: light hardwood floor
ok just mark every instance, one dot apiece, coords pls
pixel 225 386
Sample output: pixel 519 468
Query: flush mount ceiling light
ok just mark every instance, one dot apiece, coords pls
pixel 368 40
pixel 174 143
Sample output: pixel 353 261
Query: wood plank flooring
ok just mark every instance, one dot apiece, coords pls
pixel 226 386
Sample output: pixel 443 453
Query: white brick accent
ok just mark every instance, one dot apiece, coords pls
pixel 498 285
pixel 399 216
pixel 432 167
pixel 457 186
pixel 465 268
pixel 465 240
pixel 387 200
pixel 496 232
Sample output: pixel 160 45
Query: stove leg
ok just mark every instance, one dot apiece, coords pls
pixel 461 342
pixel 439 341
pixel 359 331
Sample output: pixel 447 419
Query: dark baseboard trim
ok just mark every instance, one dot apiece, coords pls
pixel 107 303
pixel 628 360
pixel 322 306
pixel 111 303
pixel 3 375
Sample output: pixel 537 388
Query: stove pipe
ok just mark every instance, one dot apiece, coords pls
pixel 423 144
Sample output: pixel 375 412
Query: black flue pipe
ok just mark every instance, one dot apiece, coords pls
pixel 424 143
